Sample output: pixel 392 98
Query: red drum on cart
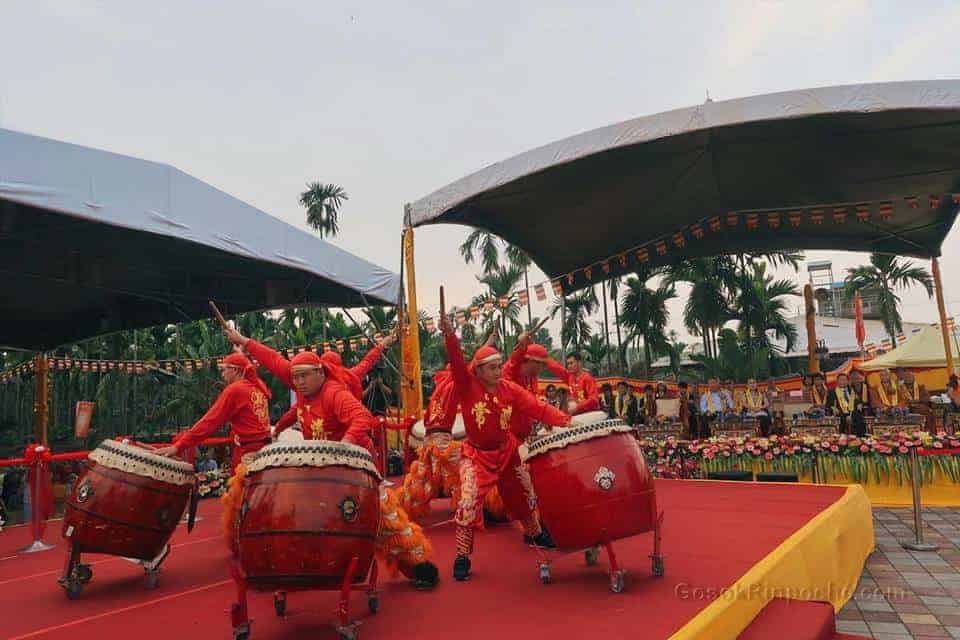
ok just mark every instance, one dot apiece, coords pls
pixel 593 487
pixel 127 502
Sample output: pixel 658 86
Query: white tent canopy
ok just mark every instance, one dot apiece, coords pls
pixel 92 242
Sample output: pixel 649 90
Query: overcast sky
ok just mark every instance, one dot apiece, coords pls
pixel 394 100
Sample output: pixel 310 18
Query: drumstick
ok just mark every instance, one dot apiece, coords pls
pixel 220 318
pixel 443 304
pixel 539 326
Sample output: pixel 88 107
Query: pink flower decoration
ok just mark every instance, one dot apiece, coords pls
pixel 864 448
pixel 903 449
pixel 768 456
pixel 835 448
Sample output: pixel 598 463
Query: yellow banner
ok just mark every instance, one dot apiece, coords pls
pixel 411 388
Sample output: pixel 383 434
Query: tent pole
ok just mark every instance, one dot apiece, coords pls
pixel 938 287
pixel 813 365
pixel 606 324
pixel 42 398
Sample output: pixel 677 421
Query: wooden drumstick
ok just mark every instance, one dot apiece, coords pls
pixel 539 326
pixel 443 304
pixel 220 318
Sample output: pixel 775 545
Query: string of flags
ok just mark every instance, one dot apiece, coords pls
pixel 141 367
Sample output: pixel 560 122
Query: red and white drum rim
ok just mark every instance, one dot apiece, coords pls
pixel 562 437
pixel 142 462
pixel 313 453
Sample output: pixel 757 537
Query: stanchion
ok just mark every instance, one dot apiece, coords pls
pixel 36 458
pixel 917 544
pixel 814 472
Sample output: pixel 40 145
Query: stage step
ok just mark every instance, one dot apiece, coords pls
pixel 786 619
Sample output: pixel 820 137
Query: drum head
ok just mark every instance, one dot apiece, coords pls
pixel 561 437
pixel 314 453
pixel 141 461
pixel 590 417
pixel 290 435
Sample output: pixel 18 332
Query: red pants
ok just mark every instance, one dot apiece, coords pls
pixel 481 471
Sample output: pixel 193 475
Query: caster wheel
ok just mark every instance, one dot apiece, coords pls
pixel 617 582
pixel 72 588
pixel 657 566
pixel 153 579
pixel 373 603
pixel 280 604
pixel 348 633
pixel 242 633
pixel 84 573
pixel 545 574
pixel 591 556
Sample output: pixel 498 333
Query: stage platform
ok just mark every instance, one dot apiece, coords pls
pixel 730 547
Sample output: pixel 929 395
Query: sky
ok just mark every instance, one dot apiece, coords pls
pixel 394 100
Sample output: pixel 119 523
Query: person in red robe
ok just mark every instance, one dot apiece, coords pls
pixel 489 454
pixel 242 404
pixel 524 366
pixel 582 385
pixel 328 410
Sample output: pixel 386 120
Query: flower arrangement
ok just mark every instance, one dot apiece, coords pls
pixel 860 459
pixel 211 484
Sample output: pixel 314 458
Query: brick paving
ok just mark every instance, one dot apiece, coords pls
pixel 906 595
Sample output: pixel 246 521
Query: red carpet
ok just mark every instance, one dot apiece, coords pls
pixel 713 533
pixel 795 620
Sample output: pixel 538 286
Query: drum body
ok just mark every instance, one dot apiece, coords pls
pixel 592 484
pixel 127 501
pixel 308 509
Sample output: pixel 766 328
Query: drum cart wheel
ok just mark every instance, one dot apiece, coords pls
pixel 152 578
pixel 545 576
pixel 618 581
pixel 75 575
pixel 280 603
pixel 591 556
pixel 656 559
pixel 373 602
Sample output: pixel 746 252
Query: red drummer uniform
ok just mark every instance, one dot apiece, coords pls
pixel 244 405
pixel 332 414
pixel 513 371
pixel 489 455
pixel 583 387
pixel 336 414
pixel 442 408
pixel 352 379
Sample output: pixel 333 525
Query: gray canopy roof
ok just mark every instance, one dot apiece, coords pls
pixel 612 190
pixel 93 242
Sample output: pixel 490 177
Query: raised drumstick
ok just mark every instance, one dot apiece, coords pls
pixel 443 304
pixel 220 318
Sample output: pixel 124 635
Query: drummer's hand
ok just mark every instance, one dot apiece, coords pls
pixel 524 339
pixel 491 340
pixel 390 339
pixel 166 452
pixel 445 326
pixel 236 337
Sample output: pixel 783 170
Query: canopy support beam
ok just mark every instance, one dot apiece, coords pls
pixel 944 331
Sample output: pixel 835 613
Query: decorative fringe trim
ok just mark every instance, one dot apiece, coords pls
pixel 401 543
pixel 434 469
pixel 464 541
pixel 494 507
pixel 232 501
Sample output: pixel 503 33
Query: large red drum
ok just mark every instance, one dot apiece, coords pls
pixel 308 509
pixel 592 484
pixel 127 502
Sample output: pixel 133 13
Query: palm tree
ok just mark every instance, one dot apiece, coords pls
pixel 615 284
pixel 594 351
pixel 323 202
pixel 500 283
pixel 732 360
pixel 644 313
pixel 577 309
pixel 484 244
pixel 762 310
pixel 712 281
pixel 883 277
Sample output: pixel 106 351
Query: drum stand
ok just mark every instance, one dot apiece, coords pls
pixel 346 629
pixel 591 555
pixel 76 574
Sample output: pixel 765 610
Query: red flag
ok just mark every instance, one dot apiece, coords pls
pixel 858 317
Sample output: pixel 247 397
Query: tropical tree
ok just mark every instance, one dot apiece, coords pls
pixel 323 202
pixel 576 310
pixel 762 310
pixel 500 283
pixel 482 244
pixel 644 313
pixel 593 352
pixel 883 277
pixel 732 361
pixel 706 310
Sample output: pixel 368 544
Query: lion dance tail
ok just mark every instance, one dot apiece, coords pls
pixel 231 501
pixel 401 543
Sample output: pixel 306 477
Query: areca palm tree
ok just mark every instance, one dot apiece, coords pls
pixel 644 312
pixel 594 351
pixel 712 281
pixel 576 320
pixel 485 245
pixel 323 202
pixel 762 310
pixel 886 275
pixel 500 283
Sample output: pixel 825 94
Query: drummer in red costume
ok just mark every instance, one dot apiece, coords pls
pixel 583 388
pixel 489 454
pixel 243 404
pixel 328 410
pixel 351 376
pixel 524 367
